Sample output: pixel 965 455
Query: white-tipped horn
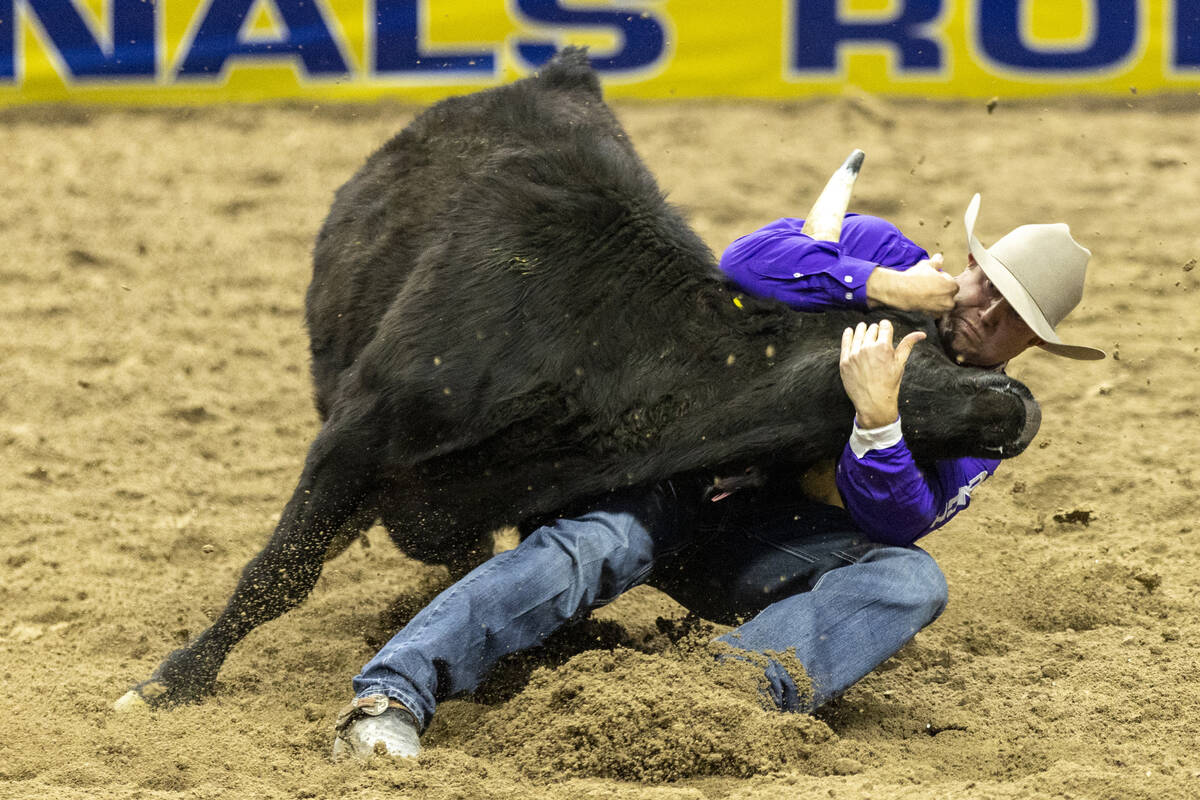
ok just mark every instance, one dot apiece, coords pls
pixel 824 222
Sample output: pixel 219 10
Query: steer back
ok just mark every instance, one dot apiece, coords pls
pixel 545 327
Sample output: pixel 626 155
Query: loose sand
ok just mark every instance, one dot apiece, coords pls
pixel 155 410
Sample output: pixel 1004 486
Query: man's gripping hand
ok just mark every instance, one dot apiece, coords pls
pixel 871 371
pixel 922 287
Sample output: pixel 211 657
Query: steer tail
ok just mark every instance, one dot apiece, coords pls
pixel 824 222
pixel 570 70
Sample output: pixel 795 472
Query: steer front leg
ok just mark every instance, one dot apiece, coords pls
pixel 338 474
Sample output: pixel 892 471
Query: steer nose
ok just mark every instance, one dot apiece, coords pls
pixel 1033 421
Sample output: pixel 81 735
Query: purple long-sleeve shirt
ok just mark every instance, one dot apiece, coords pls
pixel 892 499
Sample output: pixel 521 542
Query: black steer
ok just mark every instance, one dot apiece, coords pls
pixel 507 317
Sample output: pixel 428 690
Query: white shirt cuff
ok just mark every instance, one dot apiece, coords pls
pixel 862 441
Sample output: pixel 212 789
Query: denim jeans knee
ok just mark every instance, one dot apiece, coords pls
pixel 924 589
pixel 853 619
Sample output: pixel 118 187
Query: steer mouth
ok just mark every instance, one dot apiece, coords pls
pixel 1014 428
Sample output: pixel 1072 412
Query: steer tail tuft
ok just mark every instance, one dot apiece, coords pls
pixel 569 70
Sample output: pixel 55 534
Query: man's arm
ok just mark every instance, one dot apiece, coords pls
pixel 921 287
pixel 882 487
pixel 890 497
pixel 873 264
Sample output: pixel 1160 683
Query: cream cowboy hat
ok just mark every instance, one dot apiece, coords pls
pixel 1039 269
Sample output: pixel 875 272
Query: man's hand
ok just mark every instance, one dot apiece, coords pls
pixel 922 287
pixel 871 371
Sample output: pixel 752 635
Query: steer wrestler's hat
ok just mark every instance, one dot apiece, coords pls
pixel 1039 269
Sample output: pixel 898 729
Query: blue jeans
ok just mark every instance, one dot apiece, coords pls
pixel 800 573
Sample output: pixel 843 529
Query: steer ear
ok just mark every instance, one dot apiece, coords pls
pixel 824 222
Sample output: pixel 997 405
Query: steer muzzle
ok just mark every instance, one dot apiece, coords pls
pixel 982 415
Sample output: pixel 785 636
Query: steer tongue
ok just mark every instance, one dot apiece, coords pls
pixel 824 222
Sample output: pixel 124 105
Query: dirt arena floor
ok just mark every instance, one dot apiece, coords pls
pixel 155 409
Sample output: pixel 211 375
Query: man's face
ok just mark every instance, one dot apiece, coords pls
pixel 982 329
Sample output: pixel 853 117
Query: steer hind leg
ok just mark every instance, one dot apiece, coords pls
pixel 338 476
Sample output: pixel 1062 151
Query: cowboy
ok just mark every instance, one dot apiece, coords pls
pixel 829 571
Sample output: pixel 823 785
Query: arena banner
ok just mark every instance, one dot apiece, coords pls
pixel 200 51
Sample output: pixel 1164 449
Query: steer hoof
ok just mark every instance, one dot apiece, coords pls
pixel 144 697
pixel 131 703
pixel 168 686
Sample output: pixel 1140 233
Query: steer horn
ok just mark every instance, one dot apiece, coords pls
pixel 824 222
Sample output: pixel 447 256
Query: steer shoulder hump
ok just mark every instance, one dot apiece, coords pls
pixel 570 70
